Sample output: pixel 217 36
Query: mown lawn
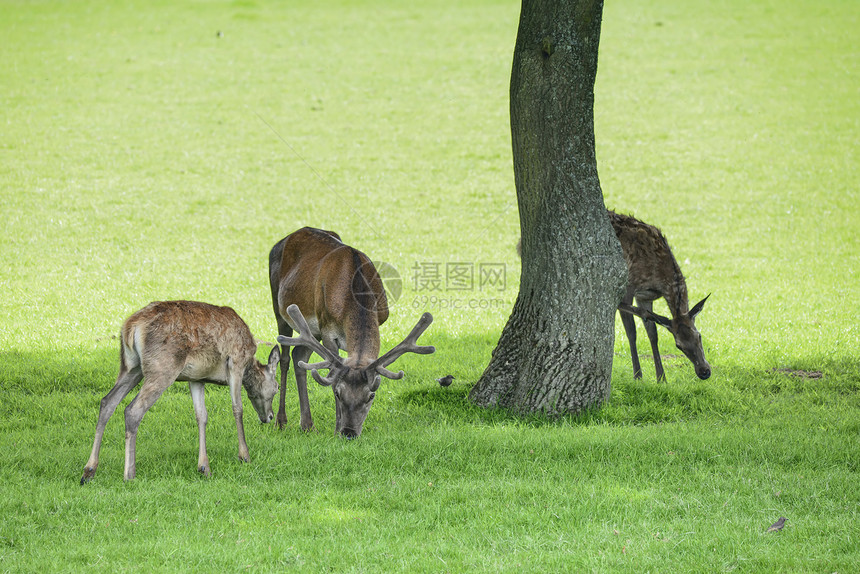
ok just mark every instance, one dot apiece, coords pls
pixel 157 150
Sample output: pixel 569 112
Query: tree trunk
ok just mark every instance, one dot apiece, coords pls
pixel 555 353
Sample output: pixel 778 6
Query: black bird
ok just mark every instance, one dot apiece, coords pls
pixel 446 380
pixel 777 525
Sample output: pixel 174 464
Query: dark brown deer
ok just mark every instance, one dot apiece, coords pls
pixel 169 341
pixel 653 272
pixel 328 291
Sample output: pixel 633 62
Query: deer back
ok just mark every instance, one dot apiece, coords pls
pixel 336 288
pixel 652 269
pixel 199 337
pixel 194 341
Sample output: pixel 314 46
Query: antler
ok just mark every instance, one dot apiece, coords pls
pixel 332 361
pixel 408 345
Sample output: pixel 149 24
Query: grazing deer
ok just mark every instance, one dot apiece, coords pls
pixel 325 289
pixel 653 272
pixel 169 341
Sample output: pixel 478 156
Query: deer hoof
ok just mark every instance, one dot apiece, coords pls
pixel 89 473
pixel 204 470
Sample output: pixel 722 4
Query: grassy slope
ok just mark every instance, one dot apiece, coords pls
pixel 146 156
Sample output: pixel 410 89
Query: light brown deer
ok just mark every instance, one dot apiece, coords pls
pixel 329 291
pixel 169 341
pixel 653 272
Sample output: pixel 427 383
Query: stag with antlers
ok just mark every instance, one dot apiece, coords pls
pixel 331 292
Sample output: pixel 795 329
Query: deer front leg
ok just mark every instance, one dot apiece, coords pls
pixel 651 331
pixel 198 399
pixel 303 354
pixel 152 388
pixel 235 383
pixel 125 382
pixel 282 399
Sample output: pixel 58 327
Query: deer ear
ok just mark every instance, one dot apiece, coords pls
pixel 274 358
pixel 697 308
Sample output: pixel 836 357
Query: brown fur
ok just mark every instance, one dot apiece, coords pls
pixel 652 269
pixel 169 341
pixel 653 272
pixel 340 300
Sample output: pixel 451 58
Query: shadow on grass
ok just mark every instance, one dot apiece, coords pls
pixel 630 403
pixel 731 391
pixel 59 370
pixel 66 370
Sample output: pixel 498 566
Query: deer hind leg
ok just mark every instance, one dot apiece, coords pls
pixel 630 330
pixel 198 399
pixel 125 382
pixel 287 331
pixel 149 393
pixel 303 354
pixel 651 330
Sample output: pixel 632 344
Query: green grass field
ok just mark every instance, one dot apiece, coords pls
pixel 157 150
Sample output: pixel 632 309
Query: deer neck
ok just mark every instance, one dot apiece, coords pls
pixel 362 320
pixel 676 297
pixel 362 338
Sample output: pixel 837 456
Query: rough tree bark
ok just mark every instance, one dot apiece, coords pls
pixel 555 353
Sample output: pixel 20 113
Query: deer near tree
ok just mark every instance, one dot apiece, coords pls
pixel 329 291
pixel 169 341
pixel 653 272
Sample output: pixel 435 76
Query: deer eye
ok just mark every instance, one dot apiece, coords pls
pixel 372 395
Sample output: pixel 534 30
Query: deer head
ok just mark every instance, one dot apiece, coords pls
pixel 354 386
pixel 261 384
pixel 683 328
